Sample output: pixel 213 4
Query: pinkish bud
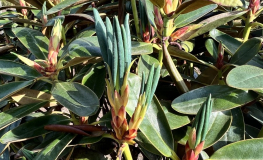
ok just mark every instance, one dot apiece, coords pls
pixel 170 6
pixel 254 5
pixel 23 3
pixel 44 15
pixel 158 19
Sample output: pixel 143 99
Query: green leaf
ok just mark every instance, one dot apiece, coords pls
pixel 12 87
pixel 229 3
pixel 230 43
pixel 181 135
pixel 245 77
pixel 251 132
pixel 145 63
pixel 246 51
pixel 158 3
pixel 160 136
pixel 184 19
pixel 6 21
pixel 216 21
pixel 224 97
pixel 95 79
pixel 211 48
pixel 18 70
pixel 140 48
pixel 256 61
pixel 76 97
pixel 236 131
pixel 256 112
pixel 219 124
pixel 87 154
pixel 33 40
pixel 54 149
pixel 175 120
pixel 12 115
pixel 247 149
pixel 66 4
pixel 33 128
pixel 86 140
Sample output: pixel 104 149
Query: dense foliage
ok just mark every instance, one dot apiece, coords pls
pixel 135 79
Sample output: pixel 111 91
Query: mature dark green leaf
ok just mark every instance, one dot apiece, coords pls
pixel 181 135
pixel 87 154
pixel 51 22
pixel 12 115
pixel 76 97
pixel 251 132
pixel 66 4
pixel 33 40
pixel 11 88
pixel 145 63
pixel 211 47
pixel 246 51
pixel 184 19
pixel 215 21
pixel 256 112
pixel 85 140
pixel 18 70
pixel 256 61
pixel 236 131
pixel 33 128
pixel 242 150
pixel 224 97
pixel 6 21
pixel 160 135
pixel 175 120
pixel 95 79
pixel 230 43
pixel 245 77
pixel 54 149
pixel 143 142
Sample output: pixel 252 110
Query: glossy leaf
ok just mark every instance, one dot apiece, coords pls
pixel 18 70
pixel 251 132
pixel 65 4
pixel 256 112
pixel 256 61
pixel 95 79
pixel 215 21
pixel 246 51
pixel 54 149
pixel 76 97
pixel 12 87
pixel 211 48
pixel 229 3
pixel 27 96
pixel 12 115
pixel 6 21
pixel 33 40
pixel 247 149
pixel 185 19
pixel 145 63
pixel 85 140
pixel 224 97
pixel 219 124
pixel 175 120
pixel 33 128
pixel 236 131
pixel 159 135
pixel 230 43
pixel 245 77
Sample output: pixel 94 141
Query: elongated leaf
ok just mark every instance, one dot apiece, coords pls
pixel 27 21
pixel 247 149
pixel 224 97
pixel 66 4
pixel 33 128
pixel 3 22
pixel 54 149
pixel 12 87
pixel 219 123
pixel 33 40
pixel 236 131
pixel 12 115
pixel 27 96
pixel 216 21
pixel 184 19
pixel 230 43
pixel 160 135
pixel 229 3
pixel 251 132
pixel 76 97
pixel 256 112
pixel 211 48
pixel 158 3
pixel 145 63
pixel 245 77
pixel 18 70
pixel 246 51
pixel 95 79
pixel 175 120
